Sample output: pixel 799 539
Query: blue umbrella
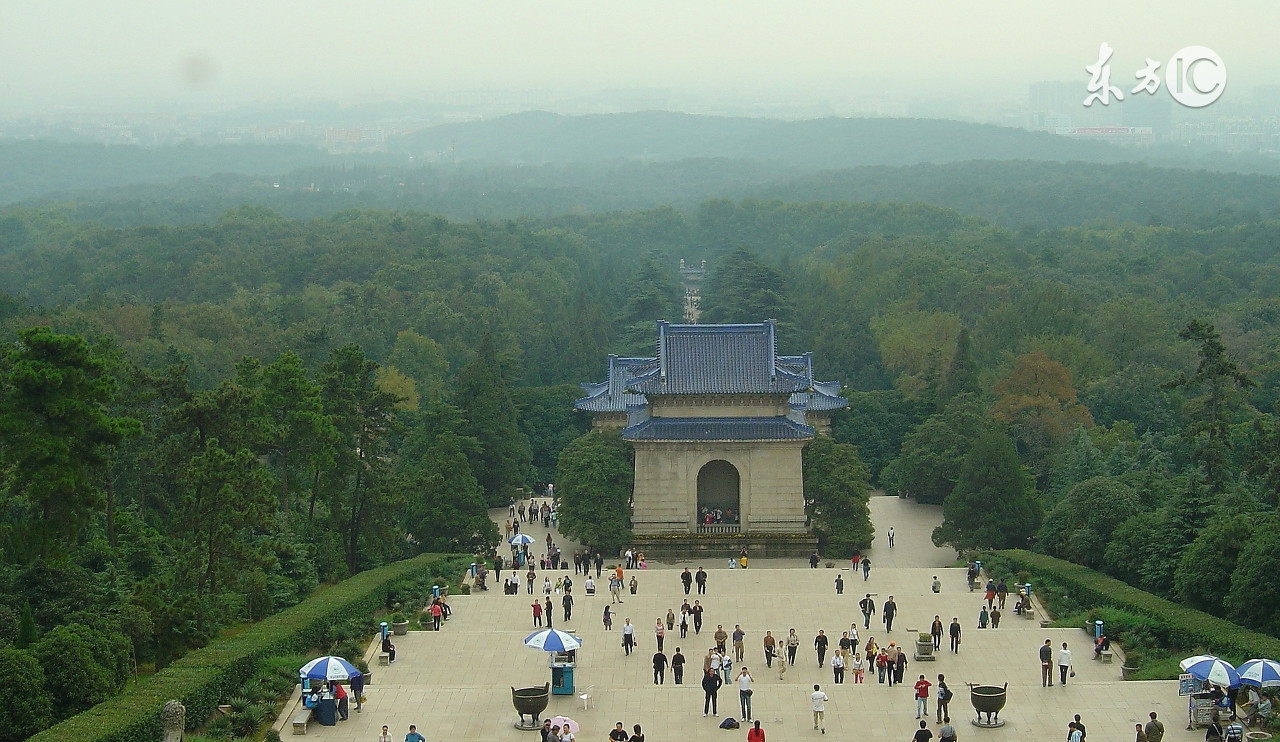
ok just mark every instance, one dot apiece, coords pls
pixel 552 640
pixel 329 668
pixel 1210 668
pixel 1260 673
pixel 521 538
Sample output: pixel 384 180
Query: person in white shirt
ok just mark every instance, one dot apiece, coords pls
pixel 1064 663
pixel 590 586
pixel 837 666
pixel 744 692
pixel 819 708
pixel 628 636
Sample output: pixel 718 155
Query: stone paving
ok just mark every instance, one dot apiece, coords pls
pixel 455 684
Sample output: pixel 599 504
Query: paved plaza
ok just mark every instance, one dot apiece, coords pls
pixel 456 684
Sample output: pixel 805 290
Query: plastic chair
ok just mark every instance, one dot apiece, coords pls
pixel 585 697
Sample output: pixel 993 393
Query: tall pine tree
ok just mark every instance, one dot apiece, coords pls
pixel 991 506
pixel 483 394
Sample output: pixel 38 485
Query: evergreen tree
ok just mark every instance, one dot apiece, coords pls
pixel 56 433
pixel 742 289
pixel 962 374
pixel 1223 385
pixel 445 509
pixel 30 708
pixel 653 293
pixel 928 465
pixel 594 479
pixel 484 396
pixel 1253 599
pixel 835 494
pixel 992 506
pixel 1209 562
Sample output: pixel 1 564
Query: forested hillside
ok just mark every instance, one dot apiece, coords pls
pixel 249 407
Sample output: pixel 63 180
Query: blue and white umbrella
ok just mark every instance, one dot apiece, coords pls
pixel 1260 673
pixel 329 668
pixel 1210 668
pixel 521 538
pixel 552 640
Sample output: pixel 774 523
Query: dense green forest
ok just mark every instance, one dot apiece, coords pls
pixel 200 423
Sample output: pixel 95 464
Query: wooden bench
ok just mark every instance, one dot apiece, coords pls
pixel 301 719
pixel 1106 657
pixel 384 658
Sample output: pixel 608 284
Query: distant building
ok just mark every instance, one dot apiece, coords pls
pixel 719 421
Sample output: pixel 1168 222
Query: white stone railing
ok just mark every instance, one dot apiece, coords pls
pixel 720 528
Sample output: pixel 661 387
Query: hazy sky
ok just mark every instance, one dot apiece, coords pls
pixel 69 53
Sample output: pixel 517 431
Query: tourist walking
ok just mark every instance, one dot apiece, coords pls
pixel 888 612
pixel 628 636
pixel 859 668
pixel 839 585
pixel 770 648
pixel 890 534
pixel 837 667
pixel 686 579
pixel 684 623
pixel 1154 729
pixel 537 614
pixel 1064 663
pixel 819 700
pixel 1046 663
pixel 935 630
pixel 671 619
pixel 739 636
pixel 900 667
pixel 755 733
pixel 744 692
pixel 866 569
pixel 701 579
pixel 922 734
pixel 608 618
pixel 868 607
pixel 710 686
pixel 922 697
pixel 793 644
pixel 696 612
pixel 659 667
pixel 677 667
pixel 659 632
pixel 820 644
pixel 954 631
pixel 567 600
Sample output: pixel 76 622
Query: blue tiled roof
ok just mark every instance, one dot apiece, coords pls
pixel 719 359
pixel 612 395
pixel 718 429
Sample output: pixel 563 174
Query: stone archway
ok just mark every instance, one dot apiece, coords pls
pixel 718 498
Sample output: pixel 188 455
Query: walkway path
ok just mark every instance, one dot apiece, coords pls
pixel 455 684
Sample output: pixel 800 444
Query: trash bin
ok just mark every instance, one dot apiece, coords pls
pixel 326 712
pixel 562 679
pixel 473 569
pixel 978 565
pixel 384 629
pixel 1097 629
pixel 435 591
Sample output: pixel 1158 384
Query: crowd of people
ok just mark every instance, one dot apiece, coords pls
pixel 848 657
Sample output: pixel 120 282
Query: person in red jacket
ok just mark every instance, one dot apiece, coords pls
pixel 755 733
pixel 922 697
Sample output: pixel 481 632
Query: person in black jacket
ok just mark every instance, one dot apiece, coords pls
pixel 711 683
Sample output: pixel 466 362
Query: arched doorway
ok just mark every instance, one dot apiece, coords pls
pixel 718 510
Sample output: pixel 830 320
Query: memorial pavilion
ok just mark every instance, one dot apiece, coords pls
pixel 719 422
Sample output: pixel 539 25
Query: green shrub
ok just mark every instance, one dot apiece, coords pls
pixel 206 676
pixel 1152 621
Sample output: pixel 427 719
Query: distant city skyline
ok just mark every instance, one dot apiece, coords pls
pixel 178 56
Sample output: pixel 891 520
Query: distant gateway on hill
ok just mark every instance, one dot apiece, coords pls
pixel 718 420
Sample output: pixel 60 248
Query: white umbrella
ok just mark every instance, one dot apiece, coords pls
pixel 1260 673
pixel 521 538
pixel 553 640
pixel 564 721
pixel 1210 668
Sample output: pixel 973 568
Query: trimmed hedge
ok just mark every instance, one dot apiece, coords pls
pixel 205 676
pixel 1185 628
